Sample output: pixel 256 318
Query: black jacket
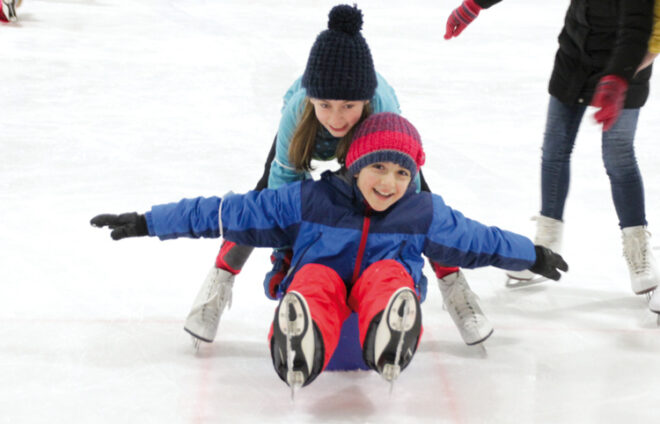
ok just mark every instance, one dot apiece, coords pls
pixel 601 37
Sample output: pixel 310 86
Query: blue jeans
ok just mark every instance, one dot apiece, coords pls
pixel 618 155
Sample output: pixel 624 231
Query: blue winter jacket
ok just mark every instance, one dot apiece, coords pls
pixel 324 222
pixel 281 170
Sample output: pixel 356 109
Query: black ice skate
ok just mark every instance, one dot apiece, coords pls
pixel 296 346
pixel 393 335
pixel 9 10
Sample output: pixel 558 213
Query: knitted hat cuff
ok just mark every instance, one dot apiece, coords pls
pixel 385 137
pixel 340 93
pixel 402 159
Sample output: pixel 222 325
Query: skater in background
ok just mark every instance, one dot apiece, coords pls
pixel 357 239
pixel 601 46
pixel 8 10
pixel 339 89
pixel 651 54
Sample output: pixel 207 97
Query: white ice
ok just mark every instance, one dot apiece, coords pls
pixel 113 106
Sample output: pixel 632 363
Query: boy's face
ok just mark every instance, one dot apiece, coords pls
pixel 382 184
pixel 338 116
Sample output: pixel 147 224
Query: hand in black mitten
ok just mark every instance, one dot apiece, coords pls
pixel 125 225
pixel 547 263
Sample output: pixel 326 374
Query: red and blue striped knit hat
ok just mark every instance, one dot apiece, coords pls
pixel 385 137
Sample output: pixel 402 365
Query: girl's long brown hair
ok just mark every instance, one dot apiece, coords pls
pixel 302 144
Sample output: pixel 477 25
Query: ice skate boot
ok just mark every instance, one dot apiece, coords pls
pixel 214 295
pixel 8 11
pixel 393 335
pixel 463 307
pixel 296 346
pixel 548 234
pixel 644 276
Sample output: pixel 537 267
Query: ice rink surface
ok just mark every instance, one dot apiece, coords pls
pixel 113 106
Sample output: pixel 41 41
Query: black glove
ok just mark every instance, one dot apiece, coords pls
pixel 125 225
pixel 547 263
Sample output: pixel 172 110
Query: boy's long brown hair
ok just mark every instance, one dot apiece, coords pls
pixel 301 148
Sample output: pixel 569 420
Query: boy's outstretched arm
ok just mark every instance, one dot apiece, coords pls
pixel 124 225
pixel 266 218
pixel 193 218
pixel 455 240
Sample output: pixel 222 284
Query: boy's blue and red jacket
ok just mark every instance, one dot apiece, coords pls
pixel 327 222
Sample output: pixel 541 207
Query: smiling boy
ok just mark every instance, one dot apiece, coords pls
pixel 358 237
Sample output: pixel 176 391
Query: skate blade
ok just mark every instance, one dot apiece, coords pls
pixel 401 323
pixel 513 283
pixel 480 348
pixel 391 372
pixel 294 379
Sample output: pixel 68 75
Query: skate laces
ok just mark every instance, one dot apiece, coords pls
pixel 462 300
pixel 219 296
pixel 635 251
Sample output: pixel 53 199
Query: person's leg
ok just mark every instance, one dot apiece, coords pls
pixel 232 257
pixel 561 128
pixel 311 313
pixel 623 171
pixel 462 305
pixel 263 181
pixel 204 317
pixel 459 299
pixel 628 196
pixel 389 316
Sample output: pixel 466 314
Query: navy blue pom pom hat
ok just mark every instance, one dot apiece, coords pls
pixel 340 66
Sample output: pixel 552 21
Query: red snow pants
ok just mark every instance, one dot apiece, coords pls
pixel 326 296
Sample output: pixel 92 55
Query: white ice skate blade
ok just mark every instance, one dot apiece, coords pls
pixel 480 348
pixel 513 283
pixel 403 324
pixel 295 379
pixel 196 343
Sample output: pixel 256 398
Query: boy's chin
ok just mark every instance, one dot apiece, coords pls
pixel 379 207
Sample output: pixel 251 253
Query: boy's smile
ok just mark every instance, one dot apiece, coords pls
pixel 383 183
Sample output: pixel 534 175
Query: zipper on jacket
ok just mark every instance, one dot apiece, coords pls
pixel 363 242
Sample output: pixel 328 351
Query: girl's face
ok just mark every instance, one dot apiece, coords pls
pixel 383 183
pixel 338 116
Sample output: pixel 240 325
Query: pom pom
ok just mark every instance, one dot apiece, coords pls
pixel 346 19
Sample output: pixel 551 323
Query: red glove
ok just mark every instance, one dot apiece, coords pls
pixel 609 97
pixel 461 18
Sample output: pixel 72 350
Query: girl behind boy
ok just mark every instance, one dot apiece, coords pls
pixel 315 125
